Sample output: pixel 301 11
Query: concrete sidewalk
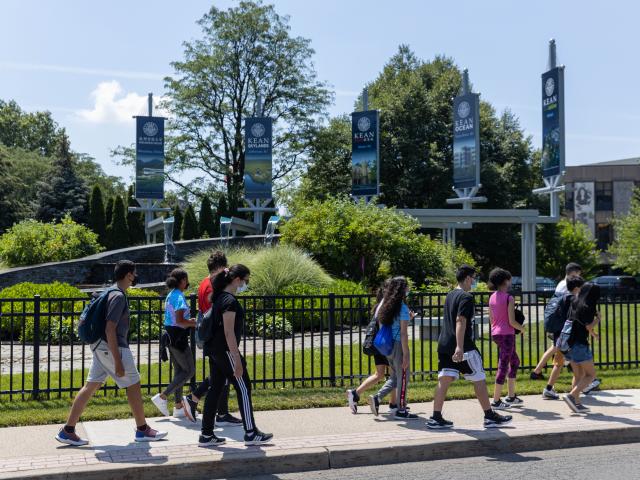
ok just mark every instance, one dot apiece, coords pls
pixel 316 439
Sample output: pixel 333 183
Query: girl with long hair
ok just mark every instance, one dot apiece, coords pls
pixel 586 317
pixel 394 312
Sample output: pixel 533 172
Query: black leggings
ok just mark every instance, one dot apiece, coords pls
pixel 223 405
pixel 221 367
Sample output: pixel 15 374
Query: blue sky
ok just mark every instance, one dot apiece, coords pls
pixel 92 63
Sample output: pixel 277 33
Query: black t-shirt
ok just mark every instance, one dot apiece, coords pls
pixel 579 332
pixel 225 302
pixel 457 303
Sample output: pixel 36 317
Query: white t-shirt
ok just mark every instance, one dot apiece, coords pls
pixel 561 289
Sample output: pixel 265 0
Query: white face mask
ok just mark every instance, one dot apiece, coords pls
pixel 242 288
pixel 474 284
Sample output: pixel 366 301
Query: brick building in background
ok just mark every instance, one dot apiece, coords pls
pixel 598 192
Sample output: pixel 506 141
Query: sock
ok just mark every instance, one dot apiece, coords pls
pixel 488 412
pixel 69 429
pixel 437 415
pixel 142 428
pixel 393 405
pixel 356 397
pixel 549 387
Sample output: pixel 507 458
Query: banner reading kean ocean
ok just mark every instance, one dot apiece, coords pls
pixel 466 141
pixel 150 157
pixel 257 158
pixel 553 122
pixel 365 147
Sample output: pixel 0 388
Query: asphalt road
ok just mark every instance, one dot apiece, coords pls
pixel 593 463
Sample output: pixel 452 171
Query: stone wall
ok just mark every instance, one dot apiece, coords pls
pixel 79 271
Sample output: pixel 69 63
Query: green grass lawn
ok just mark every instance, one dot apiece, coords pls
pixel 112 406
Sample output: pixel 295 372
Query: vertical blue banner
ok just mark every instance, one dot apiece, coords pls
pixel 365 148
pixel 553 122
pixel 466 141
pixel 258 158
pixel 150 158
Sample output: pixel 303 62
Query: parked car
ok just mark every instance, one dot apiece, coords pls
pixel 616 285
pixel 544 286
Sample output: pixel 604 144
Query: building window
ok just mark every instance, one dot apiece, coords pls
pixel 604 196
pixel 568 198
pixel 604 235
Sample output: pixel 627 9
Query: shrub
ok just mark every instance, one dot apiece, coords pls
pixel 268 326
pixel 31 242
pixel 147 314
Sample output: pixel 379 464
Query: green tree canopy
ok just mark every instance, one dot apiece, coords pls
pixel 190 224
pixel 9 189
pixel 626 246
pixel 206 220
pixel 35 131
pixel 135 220
pixel 97 217
pixel 178 219
pixel 117 232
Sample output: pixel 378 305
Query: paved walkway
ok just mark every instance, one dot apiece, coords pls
pixel 317 439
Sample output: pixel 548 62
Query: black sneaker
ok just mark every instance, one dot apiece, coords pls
pixel 257 438
pixel 405 415
pixel 210 440
pixel 500 405
pixel 495 420
pixel 374 404
pixel 536 376
pixel 190 408
pixel 228 420
pixel 569 400
pixel 513 401
pixel 593 386
pixel 439 424
pixel 353 398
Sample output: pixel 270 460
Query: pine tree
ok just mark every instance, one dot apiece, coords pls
pixel 108 212
pixel 9 188
pixel 206 221
pixel 177 223
pixel 135 220
pixel 63 192
pixel 117 232
pixel 97 217
pixel 190 225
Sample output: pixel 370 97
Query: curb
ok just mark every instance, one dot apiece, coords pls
pixel 279 461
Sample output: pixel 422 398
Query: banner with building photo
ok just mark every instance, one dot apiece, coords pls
pixel 466 140
pixel 365 148
pixel 584 204
pixel 553 122
pixel 150 158
pixel 258 158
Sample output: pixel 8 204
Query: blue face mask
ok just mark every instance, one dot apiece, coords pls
pixel 474 284
pixel 243 287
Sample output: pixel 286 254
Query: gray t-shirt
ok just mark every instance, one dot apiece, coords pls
pixel 118 313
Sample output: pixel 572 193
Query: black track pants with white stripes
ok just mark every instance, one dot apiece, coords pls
pixel 221 368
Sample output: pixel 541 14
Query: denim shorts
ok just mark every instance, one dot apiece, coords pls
pixel 579 353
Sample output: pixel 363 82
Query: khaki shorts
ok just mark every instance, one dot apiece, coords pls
pixel 103 366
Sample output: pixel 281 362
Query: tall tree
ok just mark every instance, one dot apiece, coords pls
pixel 108 211
pixel 117 232
pixel 63 192
pixel 206 220
pixel 572 242
pixel 9 187
pixel 177 223
pixel 97 217
pixel 244 51
pixel 135 220
pixel 626 246
pixel 190 224
pixel 35 131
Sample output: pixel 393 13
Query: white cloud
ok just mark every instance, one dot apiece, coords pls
pixel 113 105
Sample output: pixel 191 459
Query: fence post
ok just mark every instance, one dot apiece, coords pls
pixel 332 339
pixel 193 301
pixel 36 346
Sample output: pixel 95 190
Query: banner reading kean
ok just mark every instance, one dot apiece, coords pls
pixel 553 122
pixel 150 158
pixel 257 158
pixel 466 141
pixel 365 147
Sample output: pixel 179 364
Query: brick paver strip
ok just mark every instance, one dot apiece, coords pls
pixel 160 453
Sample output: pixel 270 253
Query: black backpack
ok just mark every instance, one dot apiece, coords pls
pixel 94 317
pixel 555 314
pixel 370 335
pixel 204 327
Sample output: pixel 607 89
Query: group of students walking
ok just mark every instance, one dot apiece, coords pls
pixel 221 322
pixel 220 330
pixel 575 306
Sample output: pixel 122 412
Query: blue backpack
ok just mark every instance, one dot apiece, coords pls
pixel 384 340
pixel 94 317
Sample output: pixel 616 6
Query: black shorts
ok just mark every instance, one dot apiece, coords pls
pixel 380 359
pixel 471 367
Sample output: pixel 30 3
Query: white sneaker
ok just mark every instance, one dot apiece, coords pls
pixel 178 413
pixel 550 394
pixel 160 404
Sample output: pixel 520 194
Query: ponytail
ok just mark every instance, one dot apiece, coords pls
pixel 175 277
pixel 226 276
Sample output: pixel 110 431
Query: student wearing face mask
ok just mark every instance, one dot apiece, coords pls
pixel 225 361
pixel 177 326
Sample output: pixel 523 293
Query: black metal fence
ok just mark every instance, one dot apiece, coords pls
pixel 288 341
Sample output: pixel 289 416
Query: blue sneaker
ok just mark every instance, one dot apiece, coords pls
pixel 70 438
pixel 149 435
